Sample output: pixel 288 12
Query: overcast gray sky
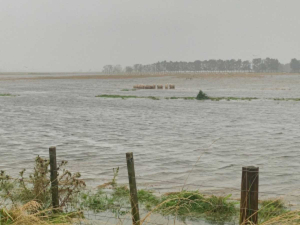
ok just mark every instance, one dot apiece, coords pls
pixel 74 35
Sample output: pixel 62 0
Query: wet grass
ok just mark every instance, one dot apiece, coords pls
pixel 193 205
pixel 270 209
pixel 31 198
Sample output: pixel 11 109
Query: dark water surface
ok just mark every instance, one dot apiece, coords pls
pixel 207 142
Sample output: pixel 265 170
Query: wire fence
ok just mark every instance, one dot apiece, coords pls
pixel 109 202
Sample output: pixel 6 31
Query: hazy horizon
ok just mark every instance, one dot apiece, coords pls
pixel 70 36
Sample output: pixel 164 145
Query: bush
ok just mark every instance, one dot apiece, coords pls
pixel 36 187
pixel 202 96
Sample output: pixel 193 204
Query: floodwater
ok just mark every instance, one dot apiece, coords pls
pixel 202 144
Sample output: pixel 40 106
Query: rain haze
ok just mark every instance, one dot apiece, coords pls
pixel 75 35
pixel 149 112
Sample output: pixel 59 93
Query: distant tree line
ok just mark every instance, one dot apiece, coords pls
pixel 257 65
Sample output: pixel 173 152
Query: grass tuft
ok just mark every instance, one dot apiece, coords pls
pixel 193 205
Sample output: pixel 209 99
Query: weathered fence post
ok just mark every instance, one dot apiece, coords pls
pixel 249 195
pixel 133 190
pixel 53 178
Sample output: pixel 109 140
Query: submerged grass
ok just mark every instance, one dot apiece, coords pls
pixel 232 98
pixel 6 95
pixel 117 96
pixel 127 96
pixel 286 99
pixel 201 96
pixel 129 89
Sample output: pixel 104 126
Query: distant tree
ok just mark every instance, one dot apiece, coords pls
pixel 108 69
pixel 246 66
pixel 197 65
pixel 128 69
pixel 117 69
pixel 286 68
pixel 256 63
pixel 138 67
pixel 295 65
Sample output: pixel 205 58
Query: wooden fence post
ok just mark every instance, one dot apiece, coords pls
pixel 249 195
pixel 53 178
pixel 133 190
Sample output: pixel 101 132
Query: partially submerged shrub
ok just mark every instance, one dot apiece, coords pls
pixel 202 96
pixel 37 186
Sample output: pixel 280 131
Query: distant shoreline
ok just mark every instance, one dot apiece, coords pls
pixel 94 75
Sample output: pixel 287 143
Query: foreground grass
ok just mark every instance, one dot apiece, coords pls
pixel 29 201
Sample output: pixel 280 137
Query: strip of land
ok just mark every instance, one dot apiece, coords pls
pixel 47 76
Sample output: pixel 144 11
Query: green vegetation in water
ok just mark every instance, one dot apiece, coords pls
pixel 127 96
pixel 286 99
pixel 202 96
pixel 270 209
pixel 189 98
pixel 117 96
pixel 191 205
pixel 232 98
pixel 128 89
pixel 6 95
pixel 185 98
pixel 29 197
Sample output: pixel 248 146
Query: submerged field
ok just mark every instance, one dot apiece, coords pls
pixel 167 136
